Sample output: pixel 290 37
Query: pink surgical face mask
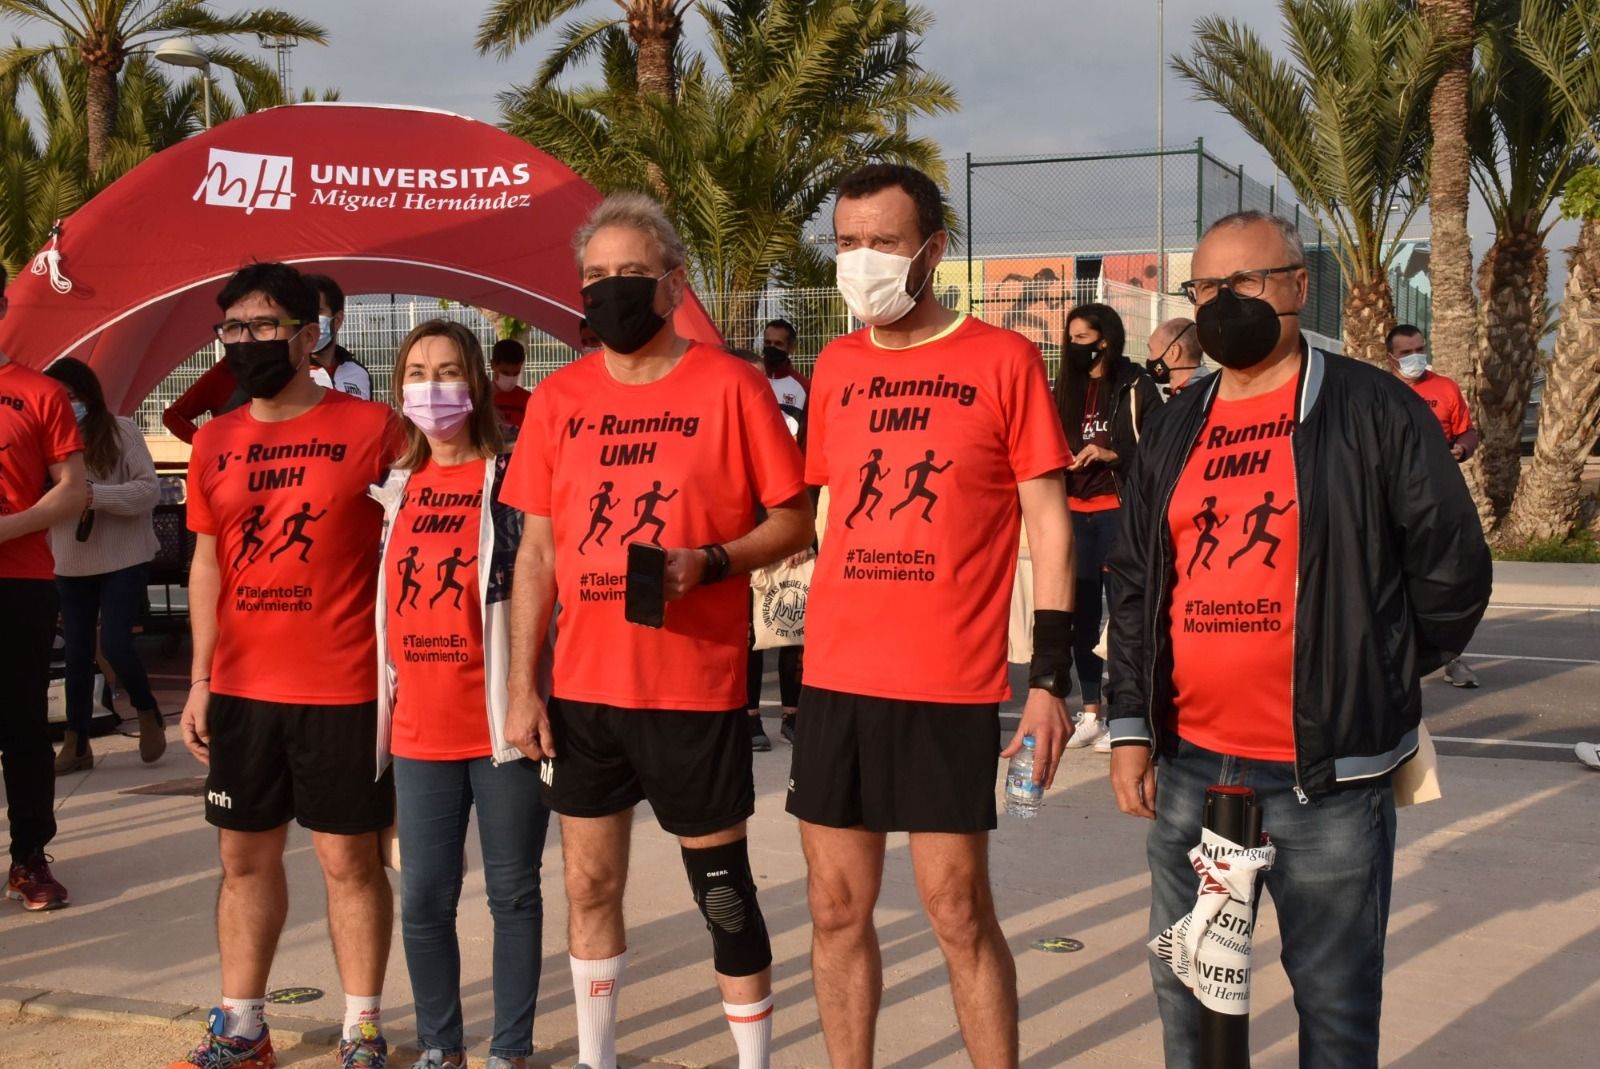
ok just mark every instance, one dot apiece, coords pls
pixel 437 408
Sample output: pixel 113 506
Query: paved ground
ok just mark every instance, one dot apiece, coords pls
pixel 1493 943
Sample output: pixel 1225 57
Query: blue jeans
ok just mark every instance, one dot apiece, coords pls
pixel 1092 535
pixel 114 601
pixel 1330 886
pixel 434 799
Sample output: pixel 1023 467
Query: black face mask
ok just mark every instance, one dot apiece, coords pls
pixel 622 311
pixel 1080 357
pixel 774 359
pixel 263 368
pixel 1237 332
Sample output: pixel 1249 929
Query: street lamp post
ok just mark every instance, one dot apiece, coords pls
pixel 183 52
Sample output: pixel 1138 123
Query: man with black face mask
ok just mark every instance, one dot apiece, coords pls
pixel 777 351
pixel 1174 361
pixel 1293 671
pixel 689 439
pixel 282 705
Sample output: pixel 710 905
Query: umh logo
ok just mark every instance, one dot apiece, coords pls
pixel 248 180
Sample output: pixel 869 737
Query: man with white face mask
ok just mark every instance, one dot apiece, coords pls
pixel 510 399
pixel 332 366
pixel 951 424
pixel 1408 359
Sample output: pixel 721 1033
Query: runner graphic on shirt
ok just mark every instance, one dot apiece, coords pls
pixel 598 520
pixel 408 567
pixel 922 471
pixel 251 526
pixel 297 536
pixel 644 506
pixel 871 472
pixel 446 570
pixel 1256 521
pixel 1207 522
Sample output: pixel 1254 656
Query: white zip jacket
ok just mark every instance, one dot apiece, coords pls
pixel 499 534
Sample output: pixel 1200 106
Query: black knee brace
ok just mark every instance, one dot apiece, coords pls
pixel 726 894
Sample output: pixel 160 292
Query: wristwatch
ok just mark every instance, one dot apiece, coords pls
pixel 1058 684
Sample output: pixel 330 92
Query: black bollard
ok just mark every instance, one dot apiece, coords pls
pixel 1232 813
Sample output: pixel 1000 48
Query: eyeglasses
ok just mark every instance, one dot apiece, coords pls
pixel 262 328
pixel 1242 283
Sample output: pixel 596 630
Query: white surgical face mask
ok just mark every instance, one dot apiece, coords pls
pixel 1414 365
pixel 873 284
pixel 325 337
pixel 506 382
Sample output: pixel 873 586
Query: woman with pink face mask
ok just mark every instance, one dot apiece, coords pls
pixel 444 592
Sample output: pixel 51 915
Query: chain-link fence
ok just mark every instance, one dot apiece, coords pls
pixel 1042 231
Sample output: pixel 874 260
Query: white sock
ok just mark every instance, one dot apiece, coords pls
pixel 360 1010
pixel 752 1031
pixel 244 1017
pixel 595 986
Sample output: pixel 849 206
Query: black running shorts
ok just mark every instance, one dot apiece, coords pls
pixel 889 765
pixel 692 767
pixel 272 763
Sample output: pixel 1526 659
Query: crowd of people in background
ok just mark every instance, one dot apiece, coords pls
pixel 544 596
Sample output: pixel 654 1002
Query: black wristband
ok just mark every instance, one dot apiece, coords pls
pixel 1051 666
pixel 717 563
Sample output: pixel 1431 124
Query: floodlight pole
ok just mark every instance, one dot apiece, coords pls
pixel 1161 145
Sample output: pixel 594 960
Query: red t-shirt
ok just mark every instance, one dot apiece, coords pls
pixel 511 404
pixel 1236 532
pixel 1449 407
pixel 435 630
pixel 297 545
pixel 680 462
pixel 212 394
pixel 36 431
pixel 921 450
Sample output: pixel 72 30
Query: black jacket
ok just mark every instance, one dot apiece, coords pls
pixel 1394 573
pixel 1127 381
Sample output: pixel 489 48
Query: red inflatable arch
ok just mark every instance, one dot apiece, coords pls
pixel 385 199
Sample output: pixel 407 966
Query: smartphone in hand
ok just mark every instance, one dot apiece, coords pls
pixel 645 593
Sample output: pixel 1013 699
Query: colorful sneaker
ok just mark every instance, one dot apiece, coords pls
pixel 217 1051
pixel 32 884
pixel 368 1051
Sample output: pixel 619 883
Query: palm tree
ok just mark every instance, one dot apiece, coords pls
pixel 1344 119
pixel 1523 154
pixel 1454 337
pixel 44 174
pixel 654 26
pixel 1563 40
pixel 807 91
pixel 104 34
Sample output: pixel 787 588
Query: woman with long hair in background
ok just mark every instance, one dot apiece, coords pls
pixel 1103 399
pixel 102 566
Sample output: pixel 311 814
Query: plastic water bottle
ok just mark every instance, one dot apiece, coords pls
pixel 1023 795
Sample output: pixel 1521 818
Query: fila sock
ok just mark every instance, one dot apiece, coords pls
pixel 595 987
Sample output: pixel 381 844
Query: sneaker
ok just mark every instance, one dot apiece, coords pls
pixel 1459 675
pixel 217 1051
pixel 1086 730
pixel 758 736
pixel 497 1062
pixel 435 1058
pixel 1589 754
pixel 32 884
pixel 786 728
pixel 368 1051
pixel 1103 743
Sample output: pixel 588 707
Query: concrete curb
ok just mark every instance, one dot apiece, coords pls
pixel 288 1032
pixel 1565 585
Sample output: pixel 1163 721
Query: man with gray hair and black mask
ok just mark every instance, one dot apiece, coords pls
pixel 683 441
pixel 1297 551
pixel 1174 361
